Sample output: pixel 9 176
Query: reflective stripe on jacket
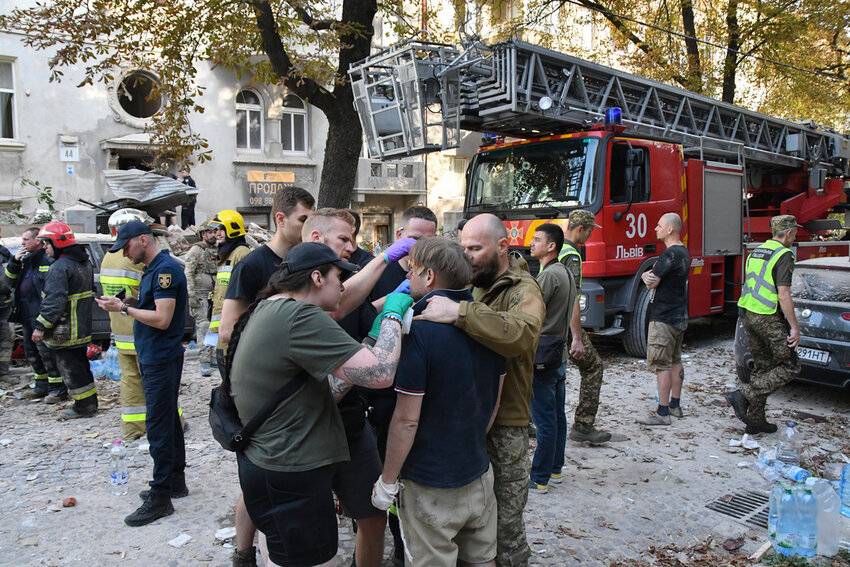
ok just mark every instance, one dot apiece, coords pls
pixel 119 273
pixel 759 294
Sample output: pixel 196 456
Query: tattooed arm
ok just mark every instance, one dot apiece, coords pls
pixel 371 368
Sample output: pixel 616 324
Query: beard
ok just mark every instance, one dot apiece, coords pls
pixel 485 274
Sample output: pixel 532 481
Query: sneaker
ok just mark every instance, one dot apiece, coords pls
pixel 245 558
pixel 739 403
pixel 676 411
pixel 179 493
pixel 655 419
pixel 206 369
pixel 537 488
pixel 71 413
pixel 51 399
pixel 761 428
pixel 592 436
pixel 152 509
pixel 556 478
pixel 33 394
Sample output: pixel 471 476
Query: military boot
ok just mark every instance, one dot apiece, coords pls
pixel 245 558
pixel 152 509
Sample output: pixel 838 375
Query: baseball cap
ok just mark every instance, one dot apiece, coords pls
pixel 581 217
pixel 128 231
pixel 783 222
pixel 309 255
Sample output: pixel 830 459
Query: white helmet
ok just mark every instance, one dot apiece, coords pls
pixel 123 216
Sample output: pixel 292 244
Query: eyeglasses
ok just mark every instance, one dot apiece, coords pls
pixel 410 272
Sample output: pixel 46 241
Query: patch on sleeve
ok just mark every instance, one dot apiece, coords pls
pixel 164 281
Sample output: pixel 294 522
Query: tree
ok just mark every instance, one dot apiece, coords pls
pixel 306 46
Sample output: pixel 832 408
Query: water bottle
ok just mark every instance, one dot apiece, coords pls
pixel 786 523
pixel 788 448
pixel 773 513
pixel 119 474
pixel 829 516
pixel 792 472
pixel 844 492
pixel 192 345
pixel 807 522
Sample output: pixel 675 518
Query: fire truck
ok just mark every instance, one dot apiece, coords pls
pixel 566 133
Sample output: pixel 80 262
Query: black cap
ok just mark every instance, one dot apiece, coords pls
pixel 128 231
pixel 309 255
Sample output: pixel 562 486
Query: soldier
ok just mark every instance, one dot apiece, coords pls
pixel 200 278
pixel 119 274
pixel 772 330
pixel 64 321
pixel 582 352
pixel 230 234
pixel 26 273
pixel 6 335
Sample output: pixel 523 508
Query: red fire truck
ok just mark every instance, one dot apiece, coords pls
pixel 572 134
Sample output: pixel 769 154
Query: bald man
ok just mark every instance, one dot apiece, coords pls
pixel 668 319
pixel 506 316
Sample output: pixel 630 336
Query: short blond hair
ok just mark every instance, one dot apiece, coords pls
pixel 445 257
pixel 321 220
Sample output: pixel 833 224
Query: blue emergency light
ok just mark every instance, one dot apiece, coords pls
pixel 613 116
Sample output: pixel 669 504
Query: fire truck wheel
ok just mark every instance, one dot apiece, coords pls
pixel 634 338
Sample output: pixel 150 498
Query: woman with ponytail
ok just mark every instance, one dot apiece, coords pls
pixel 287 470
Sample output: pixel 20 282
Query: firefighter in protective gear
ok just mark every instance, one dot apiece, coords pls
pixel 231 249
pixel 26 272
pixel 771 324
pixel 201 272
pixel 64 321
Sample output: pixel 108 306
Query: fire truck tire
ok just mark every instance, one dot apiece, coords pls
pixel 634 338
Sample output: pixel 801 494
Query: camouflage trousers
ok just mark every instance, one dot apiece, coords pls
pixel 202 325
pixel 775 363
pixel 590 367
pixel 508 451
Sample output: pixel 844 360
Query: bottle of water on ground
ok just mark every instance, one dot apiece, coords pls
pixel 829 516
pixel 119 475
pixel 845 490
pixel 773 513
pixel 807 521
pixel 786 523
pixel 788 448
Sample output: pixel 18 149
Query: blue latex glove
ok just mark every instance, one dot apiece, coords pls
pixel 403 287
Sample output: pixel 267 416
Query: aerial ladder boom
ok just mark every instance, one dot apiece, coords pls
pixel 416 97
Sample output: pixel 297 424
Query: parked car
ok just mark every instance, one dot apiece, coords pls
pixel 97 245
pixel 821 293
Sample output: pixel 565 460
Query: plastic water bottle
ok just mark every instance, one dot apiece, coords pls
pixel 792 472
pixel 844 492
pixel 192 345
pixel 786 523
pixel 773 513
pixel 119 474
pixel 807 521
pixel 788 448
pixel 829 516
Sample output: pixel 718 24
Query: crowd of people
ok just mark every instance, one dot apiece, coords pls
pixel 389 358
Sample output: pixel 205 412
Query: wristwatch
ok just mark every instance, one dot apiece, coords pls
pixel 124 308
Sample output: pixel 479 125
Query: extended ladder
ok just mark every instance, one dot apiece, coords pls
pixel 415 98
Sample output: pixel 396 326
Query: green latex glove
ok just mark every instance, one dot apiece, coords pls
pixel 397 303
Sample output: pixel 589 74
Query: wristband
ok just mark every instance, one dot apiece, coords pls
pixel 392 316
pixel 385 257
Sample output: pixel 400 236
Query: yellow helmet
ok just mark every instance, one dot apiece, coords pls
pixel 230 221
pixel 123 216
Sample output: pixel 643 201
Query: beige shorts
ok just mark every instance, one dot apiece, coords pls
pixel 442 525
pixel 663 346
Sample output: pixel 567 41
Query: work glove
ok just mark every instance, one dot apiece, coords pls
pixel 395 305
pixel 384 494
pixel 398 250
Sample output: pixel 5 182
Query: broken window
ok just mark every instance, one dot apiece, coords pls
pixel 138 94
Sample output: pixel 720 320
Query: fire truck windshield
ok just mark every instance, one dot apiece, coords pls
pixel 547 175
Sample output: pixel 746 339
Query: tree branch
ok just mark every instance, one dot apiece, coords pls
pixel 316 25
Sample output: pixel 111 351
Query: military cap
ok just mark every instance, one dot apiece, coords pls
pixel 580 217
pixel 203 227
pixel 783 222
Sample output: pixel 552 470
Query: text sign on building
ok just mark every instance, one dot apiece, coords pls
pixel 262 185
pixel 69 152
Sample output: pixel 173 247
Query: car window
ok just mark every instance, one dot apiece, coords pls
pixel 820 285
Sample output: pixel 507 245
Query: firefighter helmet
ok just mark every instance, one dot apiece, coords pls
pixel 57 232
pixel 123 216
pixel 230 221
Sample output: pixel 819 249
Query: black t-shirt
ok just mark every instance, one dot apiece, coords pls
pixel 669 302
pixel 252 274
pixel 393 275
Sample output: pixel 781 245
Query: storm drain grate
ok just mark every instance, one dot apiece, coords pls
pixel 746 506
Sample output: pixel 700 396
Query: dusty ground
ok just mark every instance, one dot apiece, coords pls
pixel 632 501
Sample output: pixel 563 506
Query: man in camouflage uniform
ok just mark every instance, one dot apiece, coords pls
pixel 582 352
pixel 772 330
pixel 201 267
pixel 506 316
pixel 6 335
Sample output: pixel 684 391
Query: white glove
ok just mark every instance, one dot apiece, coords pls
pixel 383 494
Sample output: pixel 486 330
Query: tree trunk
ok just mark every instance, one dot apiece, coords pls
pixel 730 64
pixel 342 152
pixel 694 68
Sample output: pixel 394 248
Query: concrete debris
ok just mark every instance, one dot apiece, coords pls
pixel 180 540
pixel 225 533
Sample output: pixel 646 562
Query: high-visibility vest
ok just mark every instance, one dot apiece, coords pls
pixel 759 294
pixel 567 251
pixel 222 280
pixel 119 273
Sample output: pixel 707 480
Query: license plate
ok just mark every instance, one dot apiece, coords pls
pixel 813 355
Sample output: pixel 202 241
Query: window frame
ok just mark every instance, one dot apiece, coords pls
pixel 248 108
pixel 292 112
pixel 14 104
